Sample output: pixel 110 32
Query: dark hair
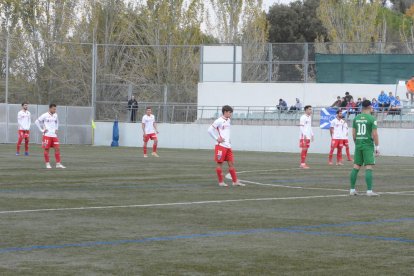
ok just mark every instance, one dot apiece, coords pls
pixel 280 100
pixel 307 107
pixel 338 111
pixel 347 93
pixel 52 105
pixel 23 103
pixel 366 103
pixel 148 107
pixel 227 108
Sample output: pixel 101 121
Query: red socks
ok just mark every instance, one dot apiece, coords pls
pixel 348 154
pixel 233 174
pixel 26 145
pixel 57 157
pixel 46 154
pixel 331 154
pixel 145 149
pixel 303 155
pixel 19 142
pixel 219 172
pixel 339 154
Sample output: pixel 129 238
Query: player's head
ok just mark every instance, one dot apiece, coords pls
pixel 366 106
pixel 339 114
pixel 52 108
pixel 227 111
pixel 25 105
pixel 308 110
pixel 148 110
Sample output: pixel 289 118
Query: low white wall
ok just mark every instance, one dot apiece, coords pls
pixel 268 94
pixel 394 142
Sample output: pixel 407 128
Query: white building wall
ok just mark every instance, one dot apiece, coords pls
pixel 394 142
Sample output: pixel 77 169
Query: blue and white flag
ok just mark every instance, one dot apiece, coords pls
pixel 327 116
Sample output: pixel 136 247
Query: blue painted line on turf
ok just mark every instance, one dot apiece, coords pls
pixel 291 229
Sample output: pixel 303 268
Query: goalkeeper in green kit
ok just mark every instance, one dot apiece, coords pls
pixel 365 136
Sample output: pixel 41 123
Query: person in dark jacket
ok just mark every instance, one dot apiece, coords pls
pixel 133 108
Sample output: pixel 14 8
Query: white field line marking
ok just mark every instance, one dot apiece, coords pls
pixel 287 186
pixel 294 187
pixel 272 170
pixel 168 204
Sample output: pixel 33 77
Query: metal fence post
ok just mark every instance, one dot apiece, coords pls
pixel 93 84
pixel 234 62
pixel 306 62
pixel 201 72
pixel 270 62
pixel 7 87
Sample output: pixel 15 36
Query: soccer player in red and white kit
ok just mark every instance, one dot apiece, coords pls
pixel 48 124
pixel 345 141
pixel 149 128
pixel 337 135
pixel 306 135
pixel 220 131
pixel 24 121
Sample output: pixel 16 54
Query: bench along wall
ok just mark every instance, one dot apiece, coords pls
pixel 268 94
pixel 394 142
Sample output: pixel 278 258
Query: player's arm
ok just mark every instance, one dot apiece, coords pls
pixel 354 134
pixel 143 128
pixel 39 124
pixel 57 124
pixel 376 140
pixel 331 130
pixel 212 130
pixel 302 128
pixel 155 127
pixel 19 118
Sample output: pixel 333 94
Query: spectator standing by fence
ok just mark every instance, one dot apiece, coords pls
pixel 375 105
pixel 348 97
pixel 133 108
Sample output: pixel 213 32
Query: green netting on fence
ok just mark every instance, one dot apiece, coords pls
pixel 376 68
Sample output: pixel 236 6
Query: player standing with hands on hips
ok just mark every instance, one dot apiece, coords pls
pixel 149 128
pixel 306 135
pixel 366 140
pixel 24 121
pixel 48 124
pixel 220 131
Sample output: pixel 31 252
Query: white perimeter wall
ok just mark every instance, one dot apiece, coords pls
pixel 394 142
pixel 268 94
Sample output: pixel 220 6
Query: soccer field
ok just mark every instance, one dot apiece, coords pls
pixel 113 212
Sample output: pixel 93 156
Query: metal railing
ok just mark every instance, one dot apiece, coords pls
pixel 242 115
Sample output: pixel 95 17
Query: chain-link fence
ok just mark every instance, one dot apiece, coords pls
pixel 105 76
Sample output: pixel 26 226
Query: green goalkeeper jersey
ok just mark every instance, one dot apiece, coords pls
pixel 363 125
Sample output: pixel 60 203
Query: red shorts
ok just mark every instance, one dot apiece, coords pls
pixel 336 143
pixel 345 142
pixel 223 154
pixel 304 143
pixel 24 134
pixel 152 136
pixel 50 142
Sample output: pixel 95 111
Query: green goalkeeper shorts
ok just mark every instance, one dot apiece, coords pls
pixel 364 157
